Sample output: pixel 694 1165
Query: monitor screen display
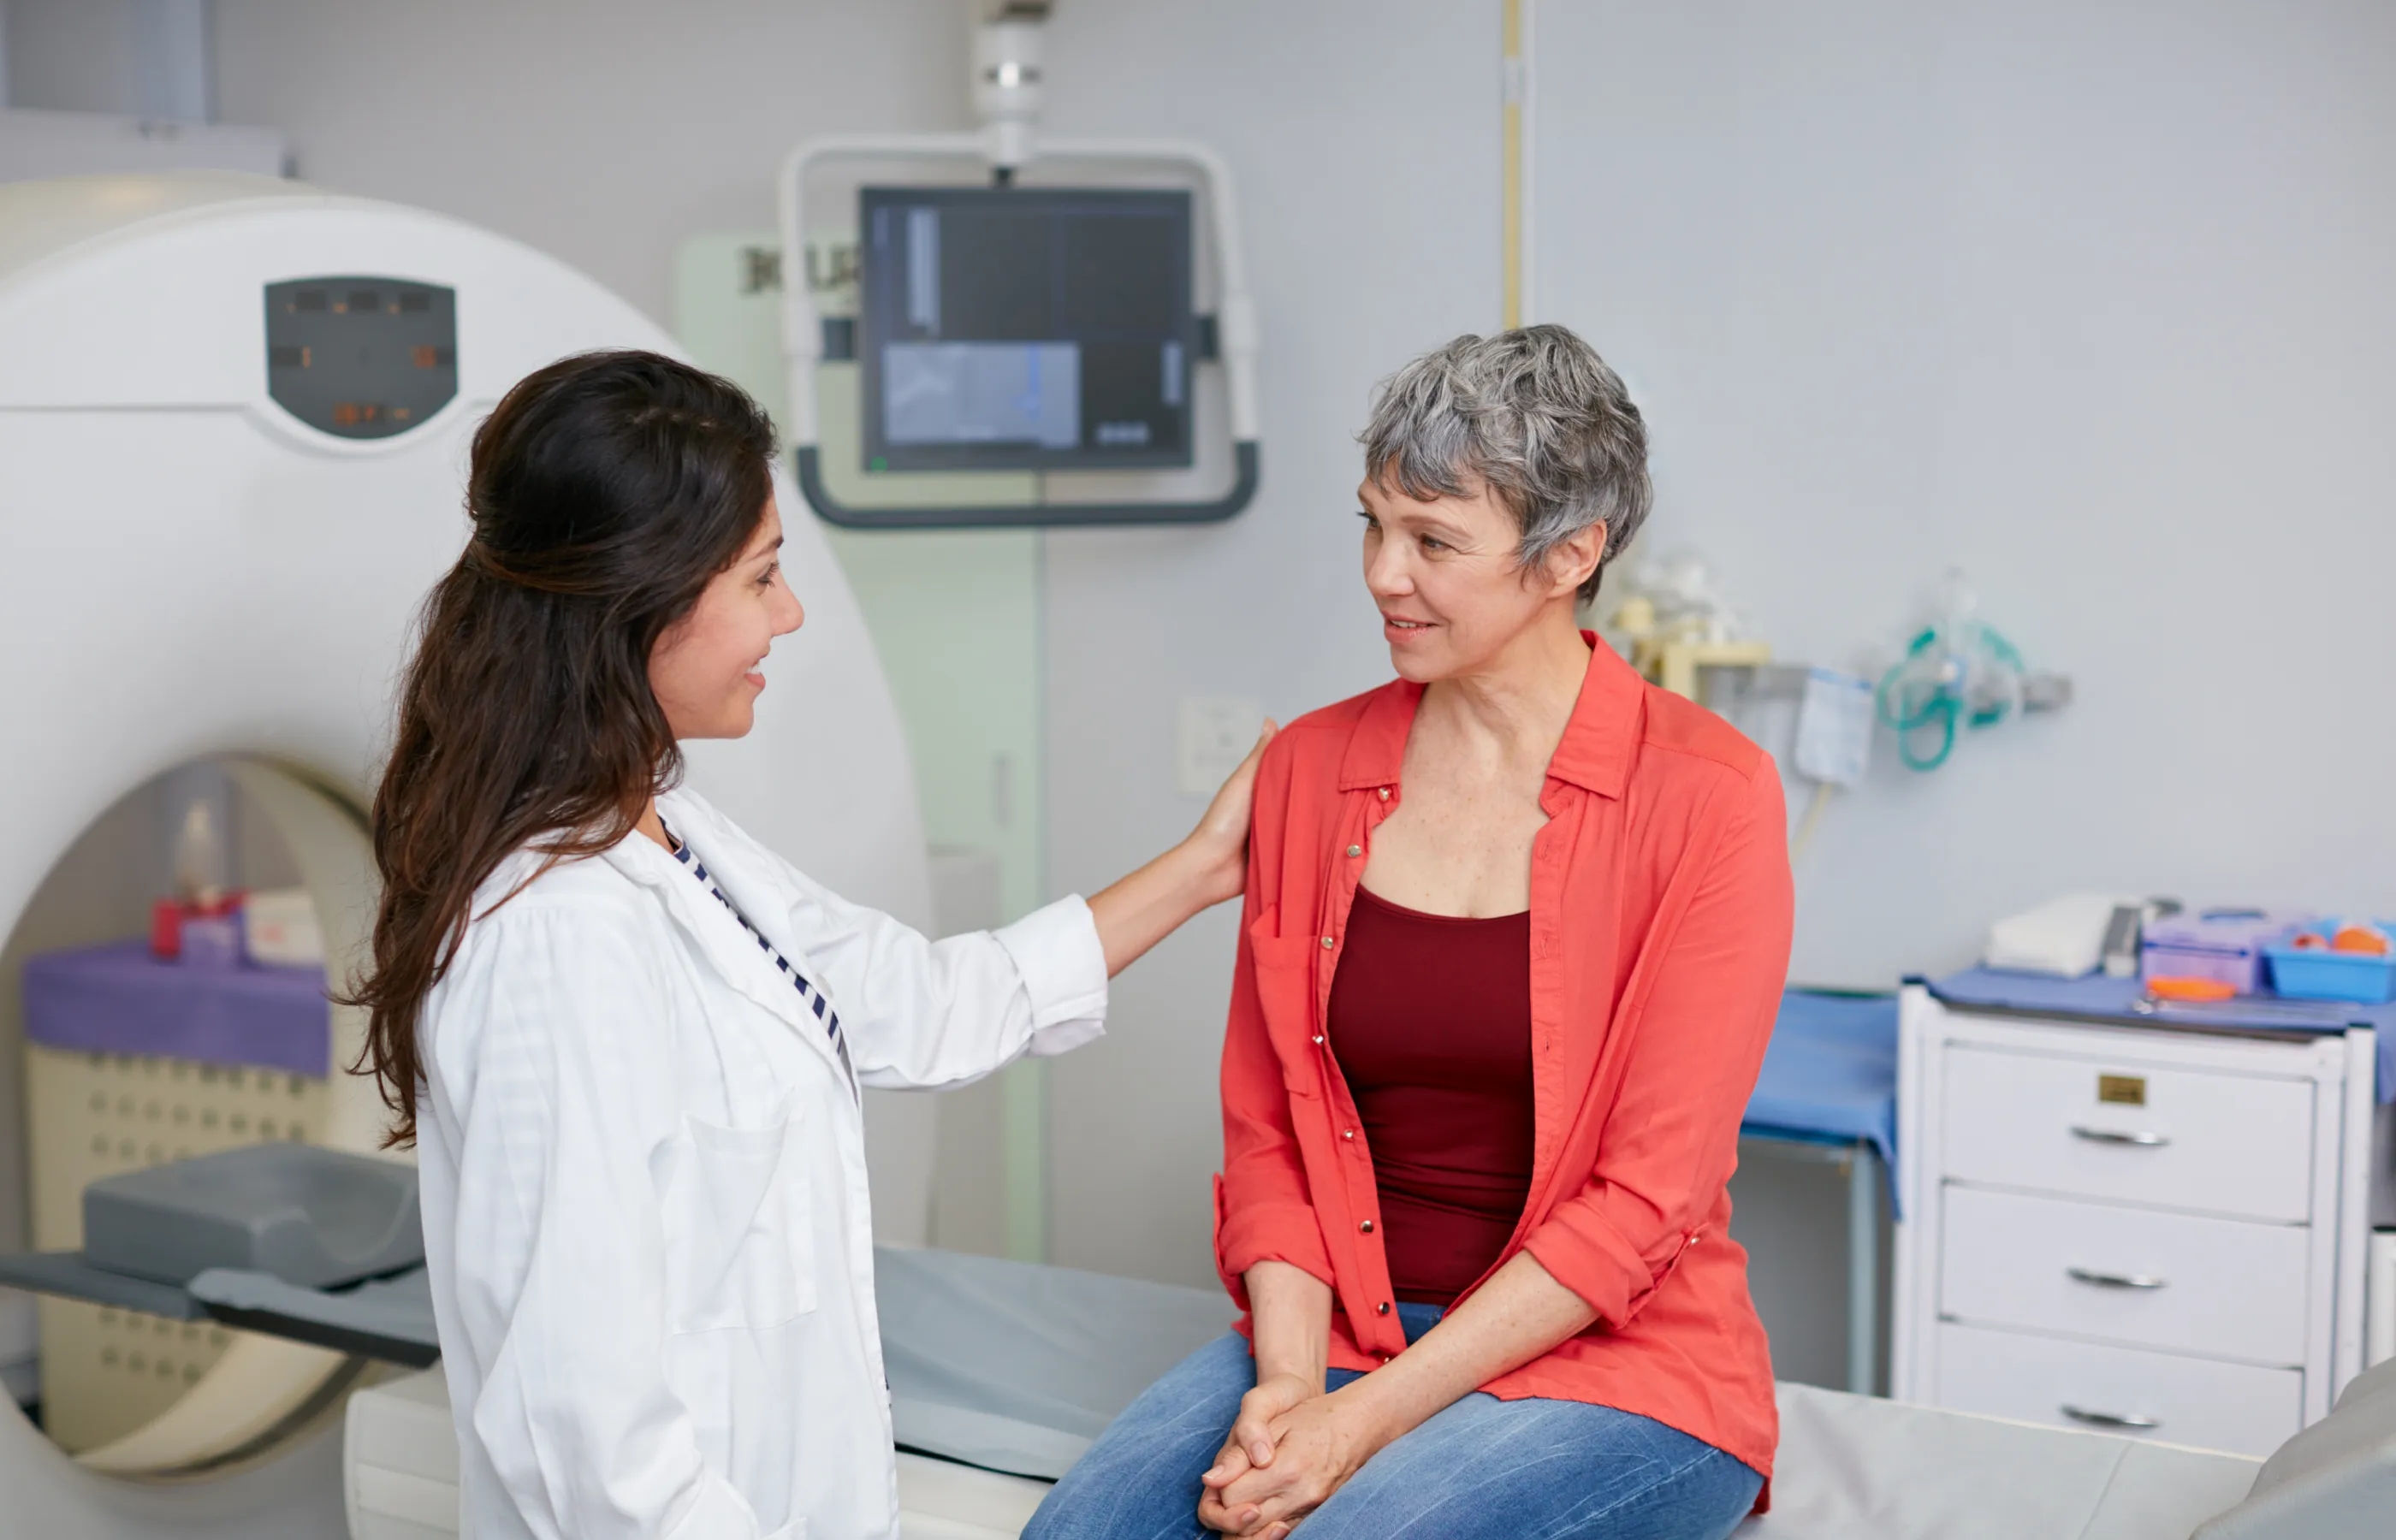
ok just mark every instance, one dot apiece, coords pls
pixel 1025 328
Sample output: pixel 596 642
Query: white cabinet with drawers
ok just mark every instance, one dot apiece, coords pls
pixel 2143 1229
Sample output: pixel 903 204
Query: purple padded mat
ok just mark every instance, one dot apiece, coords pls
pixel 117 999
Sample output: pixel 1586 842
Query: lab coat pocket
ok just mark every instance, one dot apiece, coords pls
pixel 738 1252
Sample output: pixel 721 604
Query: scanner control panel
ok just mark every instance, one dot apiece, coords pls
pixel 361 358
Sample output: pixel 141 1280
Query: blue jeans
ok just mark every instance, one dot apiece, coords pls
pixel 1483 1467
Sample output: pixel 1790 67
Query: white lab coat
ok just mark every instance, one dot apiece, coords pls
pixel 642 1169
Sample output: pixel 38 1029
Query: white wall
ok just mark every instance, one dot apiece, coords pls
pixel 1364 135
pixel 2091 297
pixel 604 131
pixel 69 55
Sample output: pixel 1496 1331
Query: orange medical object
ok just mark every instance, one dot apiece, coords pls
pixel 2190 988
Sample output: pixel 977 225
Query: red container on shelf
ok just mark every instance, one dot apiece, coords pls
pixel 168 916
pixel 166 928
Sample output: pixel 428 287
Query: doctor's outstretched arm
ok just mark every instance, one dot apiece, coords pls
pixel 1203 870
pixel 919 1014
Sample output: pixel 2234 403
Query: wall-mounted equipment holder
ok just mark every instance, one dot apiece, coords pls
pixel 1006 87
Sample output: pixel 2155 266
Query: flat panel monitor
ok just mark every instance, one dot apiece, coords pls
pixel 1025 328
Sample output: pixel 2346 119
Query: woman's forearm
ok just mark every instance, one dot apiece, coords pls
pixel 1290 1316
pixel 1518 1314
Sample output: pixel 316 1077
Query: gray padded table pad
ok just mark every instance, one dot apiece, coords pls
pixel 1858 1467
pixel 319 1218
pixel 2335 1479
pixel 1017 1368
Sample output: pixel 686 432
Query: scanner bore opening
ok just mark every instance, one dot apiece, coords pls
pixel 129 1394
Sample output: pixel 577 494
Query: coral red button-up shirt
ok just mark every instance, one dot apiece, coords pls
pixel 1660 915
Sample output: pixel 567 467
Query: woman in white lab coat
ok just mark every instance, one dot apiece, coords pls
pixel 628 1040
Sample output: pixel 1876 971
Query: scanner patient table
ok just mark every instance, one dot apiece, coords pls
pixel 1001 1372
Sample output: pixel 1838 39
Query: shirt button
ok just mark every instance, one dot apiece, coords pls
pixel 1318 1040
pixel 1326 943
pixel 1354 851
pixel 1382 1309
pixel 1385 794
pixel 1366 1227
pixel 1346 1133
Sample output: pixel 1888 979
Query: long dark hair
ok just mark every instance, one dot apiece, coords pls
pixel 607 490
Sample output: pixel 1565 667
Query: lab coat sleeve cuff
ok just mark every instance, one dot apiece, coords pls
pixel 1056 950
pixel 720 1513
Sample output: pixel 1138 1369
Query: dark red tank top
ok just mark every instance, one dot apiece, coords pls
pixel 1431 1024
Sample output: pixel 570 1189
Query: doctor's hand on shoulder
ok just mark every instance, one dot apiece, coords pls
pixel 1205 868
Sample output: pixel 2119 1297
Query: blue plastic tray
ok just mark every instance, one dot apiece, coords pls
pixel 2318 974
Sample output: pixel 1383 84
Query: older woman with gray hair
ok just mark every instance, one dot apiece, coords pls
pixel 1515 932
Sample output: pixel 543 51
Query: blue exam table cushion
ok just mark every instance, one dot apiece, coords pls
pixel 1831 1071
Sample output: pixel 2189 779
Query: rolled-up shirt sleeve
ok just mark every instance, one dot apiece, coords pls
pixel 1701 1015
pixel 920 1013
pixel 557 1084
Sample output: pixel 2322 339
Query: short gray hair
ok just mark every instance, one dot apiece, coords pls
pixel 1535 416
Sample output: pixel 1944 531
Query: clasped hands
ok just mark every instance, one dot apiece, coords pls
pixel 1292 1447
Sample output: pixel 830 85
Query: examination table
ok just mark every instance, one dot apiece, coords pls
pixel 1001 1372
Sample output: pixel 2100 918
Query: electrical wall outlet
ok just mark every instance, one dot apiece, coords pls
pixel 1216 736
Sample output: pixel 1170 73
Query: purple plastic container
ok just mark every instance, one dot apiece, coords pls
pixel 2224 944
pixel 211 941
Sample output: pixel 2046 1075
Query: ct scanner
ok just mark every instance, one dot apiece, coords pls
pixel 234 424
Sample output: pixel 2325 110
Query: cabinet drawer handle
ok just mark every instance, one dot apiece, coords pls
pixel 2108 1419
pixel 2115 1280
pixel 2115 1137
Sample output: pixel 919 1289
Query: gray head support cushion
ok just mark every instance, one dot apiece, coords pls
pixel 2334 1480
